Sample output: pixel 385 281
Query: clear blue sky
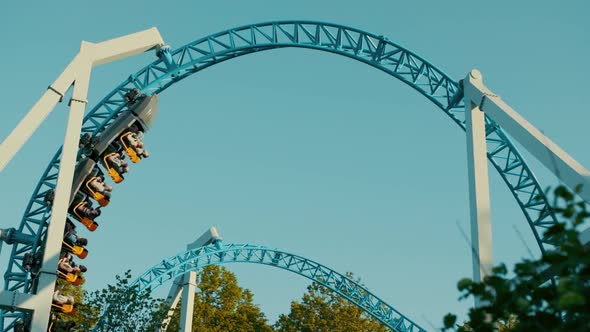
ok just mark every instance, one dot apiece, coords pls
pixel 301 150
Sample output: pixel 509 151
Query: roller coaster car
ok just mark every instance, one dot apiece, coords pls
pixel 72 278
pixel 64 308
pixel 80 208
pixel 79 251
pixel 142 113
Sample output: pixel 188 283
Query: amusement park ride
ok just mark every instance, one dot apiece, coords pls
pixel 116 126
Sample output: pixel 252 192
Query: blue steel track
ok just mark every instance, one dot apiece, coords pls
pixel 173 66
pixel 170 268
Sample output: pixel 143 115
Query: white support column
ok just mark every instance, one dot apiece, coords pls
pixel 172 300
pixel 38 113
pixel 47 275
pixel 187 285
pixel 479 191
pixel 188 300
pixel 559 162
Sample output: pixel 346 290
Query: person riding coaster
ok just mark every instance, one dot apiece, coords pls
pixel 114 163
pixel 63 303
pixel 71 236
pixel 96 188
pixel 72 278
pixel 82 210
pixel 76 249
pixel 69 271
pixel 133 145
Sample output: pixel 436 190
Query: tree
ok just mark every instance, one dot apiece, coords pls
pixel 527 302
pixel 123 308
pixel 221 305
pixel 322 310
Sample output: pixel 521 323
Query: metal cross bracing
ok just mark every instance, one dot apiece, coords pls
pixel 376 51
pixel 194 259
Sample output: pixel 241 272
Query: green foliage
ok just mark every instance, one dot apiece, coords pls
pixel 527 302
pixel 221 305
pixel 322 310
pixel 128 308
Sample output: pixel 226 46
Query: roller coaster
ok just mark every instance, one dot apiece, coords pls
pixel 97 144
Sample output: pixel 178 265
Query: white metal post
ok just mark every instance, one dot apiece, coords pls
pixel 188 301
pixel 39 112
pixel 479 189
pixel 187 284
pixel 47 274
pixel 559 162
pixel 172 300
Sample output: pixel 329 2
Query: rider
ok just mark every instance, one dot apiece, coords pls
pixel 61 299
pixel 134 140
pixel 116 161
pixel 66 264
pixel 86 210
pixel 97 184
pixel 71 236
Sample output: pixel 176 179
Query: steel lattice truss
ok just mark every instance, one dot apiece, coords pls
pixel 195 259
pixel 376 51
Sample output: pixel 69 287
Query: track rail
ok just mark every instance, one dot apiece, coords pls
pixel 191 260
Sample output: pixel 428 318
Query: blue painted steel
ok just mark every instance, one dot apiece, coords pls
pixel 194 259
pixel 376 51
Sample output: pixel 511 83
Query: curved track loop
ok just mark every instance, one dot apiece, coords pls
pixel 376 51
pixel 347 288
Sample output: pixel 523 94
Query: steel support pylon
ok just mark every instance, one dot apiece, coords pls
pixel 186 284
pixel 188 301
pixel 479 188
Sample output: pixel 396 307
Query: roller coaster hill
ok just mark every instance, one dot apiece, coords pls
pixel 74 185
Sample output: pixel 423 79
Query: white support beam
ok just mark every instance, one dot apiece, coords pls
pixel 479 189
pixel 187 285
pixel 566 168
pixel 47 274
pixel 39 112
pixel 172 300
pixel 126 46
pixel 188 301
